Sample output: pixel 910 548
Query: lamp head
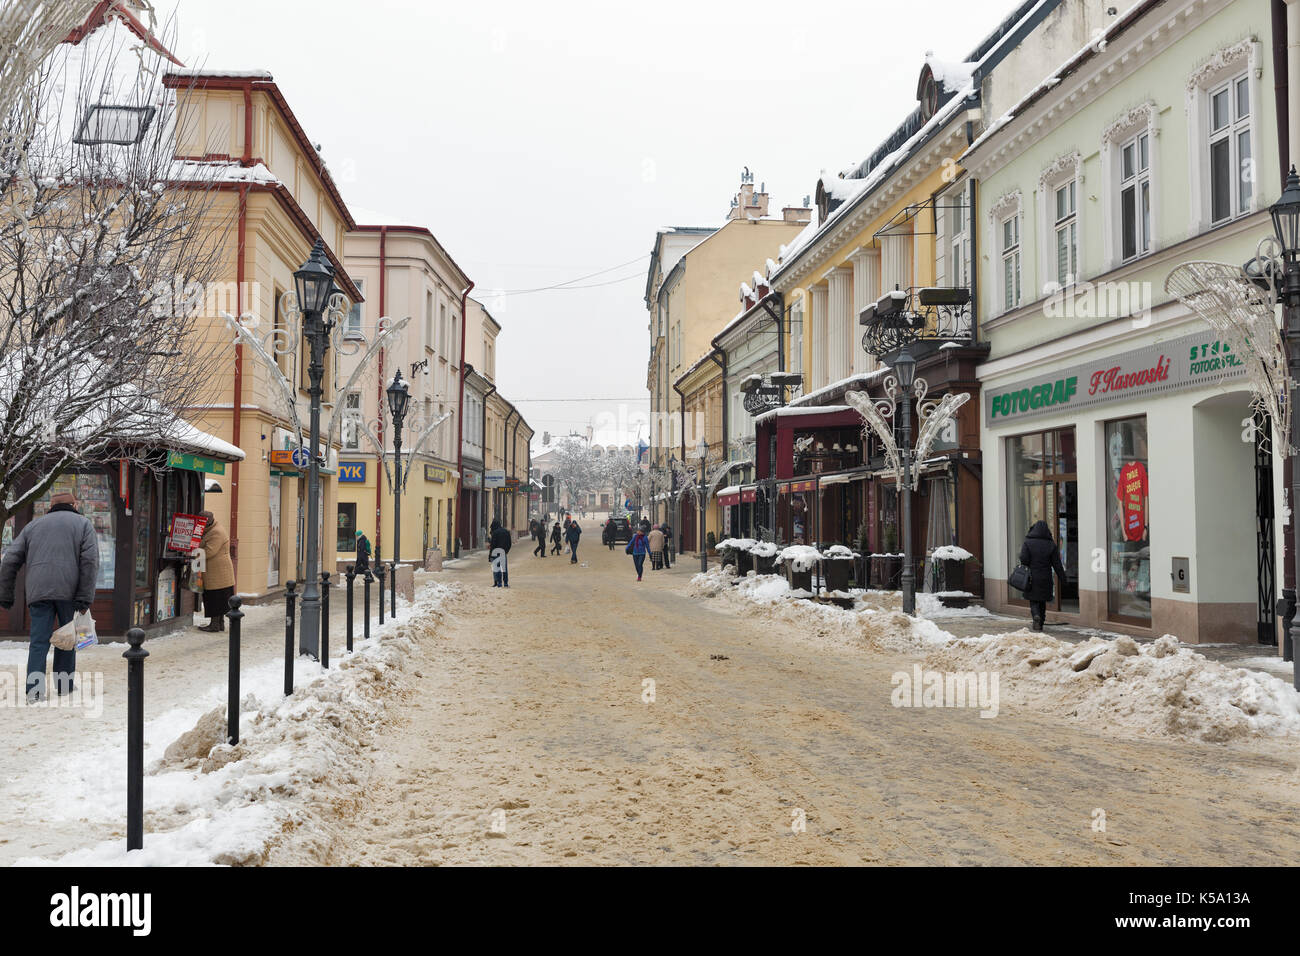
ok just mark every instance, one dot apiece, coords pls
pixel 315 280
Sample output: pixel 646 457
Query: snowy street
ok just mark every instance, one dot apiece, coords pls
pixel 524 737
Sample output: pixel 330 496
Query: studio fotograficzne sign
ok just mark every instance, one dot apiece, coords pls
pixel 1189 362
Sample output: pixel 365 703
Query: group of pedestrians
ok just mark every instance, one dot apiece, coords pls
pixel 650 542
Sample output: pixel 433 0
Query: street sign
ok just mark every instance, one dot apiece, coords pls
pixel 301 458
pixel 494 478
pixel 282 456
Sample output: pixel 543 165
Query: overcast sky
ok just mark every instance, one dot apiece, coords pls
pixel 541 142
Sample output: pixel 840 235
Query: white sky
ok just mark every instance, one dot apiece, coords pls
pixel 542 142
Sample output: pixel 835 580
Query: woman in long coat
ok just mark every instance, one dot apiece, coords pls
pixel 218 575
pixel 1040 554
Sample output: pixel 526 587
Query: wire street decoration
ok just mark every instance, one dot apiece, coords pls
pixel 281 341
pixel 933 417
pixel 415 422
pixel 1241 308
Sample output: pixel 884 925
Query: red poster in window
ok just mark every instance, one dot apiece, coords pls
pixel 1133 499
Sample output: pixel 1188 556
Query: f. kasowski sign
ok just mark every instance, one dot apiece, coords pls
pixel 1187 362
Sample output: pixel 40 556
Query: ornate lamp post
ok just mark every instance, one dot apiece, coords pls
pixel 905 369
pixel 314 283
pixel 1286 226
pixel 398 397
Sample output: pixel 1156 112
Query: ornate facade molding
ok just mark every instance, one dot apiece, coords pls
pixel 1142 114
pixel 1006 203
pixel 1204 74
pixel 1056 170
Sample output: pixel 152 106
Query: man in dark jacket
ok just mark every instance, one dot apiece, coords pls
pixel 62 559
pixel 572 536
pixel 539 532
pixel 363 553
pixel 556 536
pixel 1040 554
pixel 667 529
pixel 498 548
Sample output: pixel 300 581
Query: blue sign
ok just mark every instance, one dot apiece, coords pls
pixel 352 471
pixel 300 458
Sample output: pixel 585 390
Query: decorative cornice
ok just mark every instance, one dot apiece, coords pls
pixel 1005 203
pixel 1137 116
pixel 1219 62
pixel 1062 164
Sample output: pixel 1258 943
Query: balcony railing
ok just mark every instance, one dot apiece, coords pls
pixel 899 318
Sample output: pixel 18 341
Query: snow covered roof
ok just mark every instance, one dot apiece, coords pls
pixel 787 411
pixel 858 378
pixel 117 12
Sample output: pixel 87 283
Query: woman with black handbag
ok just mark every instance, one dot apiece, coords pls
pixel 1041 555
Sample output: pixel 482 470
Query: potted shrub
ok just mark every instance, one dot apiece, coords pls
pixel 711 542
pixel 764 555
pixel 862 563
pixel 736 551
pixel 890 562
pixel 799 560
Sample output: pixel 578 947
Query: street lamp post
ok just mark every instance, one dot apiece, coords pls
pixel 905 369
pixel 1286 226
pixel 702 449
pixel 398 397
pixel 314 283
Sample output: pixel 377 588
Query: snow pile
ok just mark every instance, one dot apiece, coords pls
pixel 801 557
pixel 1158 689
pixel 298 758
pixel 951 552
pixel 837 552
pixel 763 549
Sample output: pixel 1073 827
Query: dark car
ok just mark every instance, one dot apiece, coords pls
pixel 620 529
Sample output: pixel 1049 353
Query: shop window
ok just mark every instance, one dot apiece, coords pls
pixel 1042 485
pixel 347 528
pixel 1128 532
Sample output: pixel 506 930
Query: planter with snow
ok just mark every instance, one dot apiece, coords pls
pixel 799 561
pixel 764 555
pixel 954 599
pixel 951 560
pixel 837 565
pixel 736 551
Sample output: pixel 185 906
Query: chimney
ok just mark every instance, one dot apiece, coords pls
pixel 796 214
pixel 742 204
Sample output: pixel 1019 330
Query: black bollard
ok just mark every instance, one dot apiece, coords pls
pixel 325 619
pixel 288 636
pixel 350 576
pixel 379 570
pixel 392 591
pixel 365 619
pixel 135 656
pixel 232 695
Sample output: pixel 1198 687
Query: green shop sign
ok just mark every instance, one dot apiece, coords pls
pixel 1193 361
pixel 209 466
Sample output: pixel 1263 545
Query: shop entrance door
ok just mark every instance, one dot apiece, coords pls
pixel 1043 485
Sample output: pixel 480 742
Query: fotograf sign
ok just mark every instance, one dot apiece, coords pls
pixel 1191 361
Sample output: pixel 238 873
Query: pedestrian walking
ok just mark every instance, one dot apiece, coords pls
pixel 218 574
pixel 539 532
pixel 572 536
pixel 499 547
pixel 1041 555
pixel 666 528
pixel 639 547
pixel 61 553
pixel 656 540
pixel 555 538
pixel 363 553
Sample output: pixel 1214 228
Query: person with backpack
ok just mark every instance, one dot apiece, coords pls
pixel 572 536
pixel 639 547
pixel 499 547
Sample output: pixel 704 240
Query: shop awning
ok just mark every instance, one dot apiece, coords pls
pixel 748 493
pixel 840 479
pixel 729 496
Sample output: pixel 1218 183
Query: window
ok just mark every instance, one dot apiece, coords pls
pixel 428 320
pixel 115 125
pixel 346 540
pixel 352 421
pixel 1067 235
pixel 958 275
pixel 444 340
pixel 1011 262
pixel 1135 196
pixel 352 328
pixel 1230 153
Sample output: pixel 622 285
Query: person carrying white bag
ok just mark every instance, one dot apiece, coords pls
pixel 61 554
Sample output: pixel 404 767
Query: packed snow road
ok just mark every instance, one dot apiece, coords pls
pixel 530 732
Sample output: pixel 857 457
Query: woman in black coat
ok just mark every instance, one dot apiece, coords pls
pixel 1040 554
